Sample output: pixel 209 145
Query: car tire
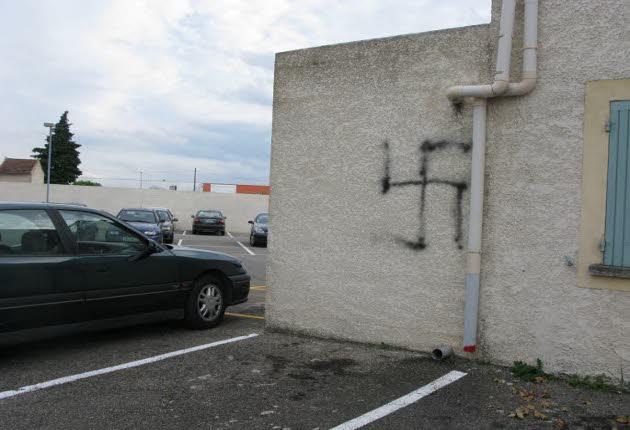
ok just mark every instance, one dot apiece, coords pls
pixel 205 306
pixel 252 240
pixel 223 233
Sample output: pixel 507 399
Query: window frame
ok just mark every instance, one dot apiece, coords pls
pixel 591 272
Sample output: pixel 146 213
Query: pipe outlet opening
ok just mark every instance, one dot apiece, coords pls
pixel 442 352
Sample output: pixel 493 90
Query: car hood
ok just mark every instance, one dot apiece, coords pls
pixel 262 226
pixel 182 251
pixel 143 225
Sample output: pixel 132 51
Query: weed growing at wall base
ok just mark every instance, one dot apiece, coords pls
pixel 529 373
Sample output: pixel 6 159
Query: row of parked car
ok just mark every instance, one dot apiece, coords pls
pixel 159 224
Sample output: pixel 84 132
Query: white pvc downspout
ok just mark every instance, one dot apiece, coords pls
pixel 500 87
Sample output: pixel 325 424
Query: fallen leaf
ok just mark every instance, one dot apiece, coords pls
pixel 560 424
pixel 530 406
pixel 623 419
pixel 520 414
pixel 546 404
pixel 539 379
pixel 540 415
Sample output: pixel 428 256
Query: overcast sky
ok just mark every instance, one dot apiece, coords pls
pixel 167 86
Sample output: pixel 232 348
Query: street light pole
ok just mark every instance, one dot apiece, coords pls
pixel 50 126
pixel 140 179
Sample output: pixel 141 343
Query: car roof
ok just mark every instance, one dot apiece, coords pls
pixel 159 209
pixel 209 210
pixel 138 209
pixel 43 206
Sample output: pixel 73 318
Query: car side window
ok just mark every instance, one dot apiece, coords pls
pixel 163 216
pixel 96 234
pixel 28 232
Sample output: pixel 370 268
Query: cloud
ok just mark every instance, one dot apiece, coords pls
pixel 163 85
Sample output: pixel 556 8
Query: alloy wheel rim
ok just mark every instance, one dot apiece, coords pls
pixel 209 302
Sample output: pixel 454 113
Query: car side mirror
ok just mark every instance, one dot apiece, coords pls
pixel 192 216
pixel 151 248
pixel 250 222
pixel 175 220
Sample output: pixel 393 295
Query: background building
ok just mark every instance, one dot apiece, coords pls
pixel 354 257
pixel 21 170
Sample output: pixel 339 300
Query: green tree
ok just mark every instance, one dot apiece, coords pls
pixel 84 182
pixel 65 157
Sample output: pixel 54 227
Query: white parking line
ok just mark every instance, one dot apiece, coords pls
pixel 245 248
pixel 179 242
pixel 401 402
pixel 184 233
pixel 71 378
pixel 230 234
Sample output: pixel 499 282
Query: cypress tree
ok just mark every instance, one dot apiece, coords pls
pixel 65 156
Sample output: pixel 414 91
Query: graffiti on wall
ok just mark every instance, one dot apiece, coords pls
pixel 428 150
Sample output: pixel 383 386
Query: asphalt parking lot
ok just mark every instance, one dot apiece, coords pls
pixel 152 372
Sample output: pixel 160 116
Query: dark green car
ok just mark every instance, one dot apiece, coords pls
pixel 62 264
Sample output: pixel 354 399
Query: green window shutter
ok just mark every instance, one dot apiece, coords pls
pixel 617 236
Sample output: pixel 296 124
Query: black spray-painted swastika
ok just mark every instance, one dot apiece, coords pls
pixel 427 151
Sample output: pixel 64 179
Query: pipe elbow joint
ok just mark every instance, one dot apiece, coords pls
pixel 499 88
pixel 526 86
pixel 454 94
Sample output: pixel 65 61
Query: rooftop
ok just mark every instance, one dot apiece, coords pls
pixel 17 166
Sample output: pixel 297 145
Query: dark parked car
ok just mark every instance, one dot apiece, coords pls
pixel 258 232
pixel 145 220
pixel 62 264
pixel 167 223
pixel 209 221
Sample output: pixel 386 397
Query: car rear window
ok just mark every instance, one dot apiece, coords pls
pixel 209 214
pixel 137 216
pixel 262 219
pixel 28 232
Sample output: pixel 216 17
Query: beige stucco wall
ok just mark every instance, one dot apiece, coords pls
pixel 239 208
pixel 37 174
pixel 336 267
pixel 15 178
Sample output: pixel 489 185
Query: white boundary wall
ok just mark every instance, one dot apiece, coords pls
pixel 239 208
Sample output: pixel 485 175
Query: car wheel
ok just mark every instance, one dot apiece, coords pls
pixel 252 241
pixel 205 306
pixel 194 231
pixel 223 233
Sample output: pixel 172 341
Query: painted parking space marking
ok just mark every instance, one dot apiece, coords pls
pixel 230 234
pixel 245 248
pixel 240 315
pixel 179 242
pixel 258 288
pixel 401 402
pixel 131 364
pixel 184 233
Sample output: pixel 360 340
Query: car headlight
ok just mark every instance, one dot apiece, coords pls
pixel 258 230
pixel 150 233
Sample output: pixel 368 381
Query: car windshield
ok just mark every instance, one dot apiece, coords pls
pixel 209 214
pixel 163 216
pixel 262 219
pixel 137 216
